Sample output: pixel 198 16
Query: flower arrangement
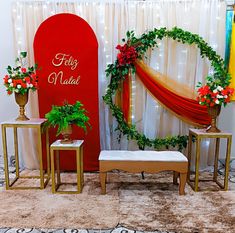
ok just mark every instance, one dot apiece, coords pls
pixel 127 54
pixel 21 79
pixel 215 92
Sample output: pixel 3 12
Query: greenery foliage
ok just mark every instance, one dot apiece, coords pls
pixel 142 44
pixel 67 114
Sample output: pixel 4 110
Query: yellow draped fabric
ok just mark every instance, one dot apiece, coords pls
pixel 232 59
pixel 167 82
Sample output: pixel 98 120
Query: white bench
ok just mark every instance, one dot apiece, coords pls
pixel 143 161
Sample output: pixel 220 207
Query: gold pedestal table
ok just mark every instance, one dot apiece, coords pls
pixel 77 146
pixel 36 123
pixel 200 134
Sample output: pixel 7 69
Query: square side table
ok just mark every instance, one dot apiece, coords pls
pixel 77 145
pixel 34 123
pixel 199 135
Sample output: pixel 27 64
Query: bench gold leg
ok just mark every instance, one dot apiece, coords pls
pixel 175 177
pixel 183 177
pixel 103 176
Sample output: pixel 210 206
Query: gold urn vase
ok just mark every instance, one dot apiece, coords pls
pixel 66 133
pixel 213 112
pixel 22 100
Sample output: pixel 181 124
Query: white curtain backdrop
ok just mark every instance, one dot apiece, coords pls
pixel 110 19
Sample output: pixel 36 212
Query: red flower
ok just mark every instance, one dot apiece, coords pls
pixel 19 81
pixel 33 76
pixel 227 100
pixel 213 95
pixel 231 91
pixel 225 91
pixel 14 83
pixel 23 70
pixel 6 79
pixel 9 92
pixel 23 85
pixel 127 54
pixel 27 79
pixel 204 90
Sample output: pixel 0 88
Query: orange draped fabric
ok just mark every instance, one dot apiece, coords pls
pixel 187 109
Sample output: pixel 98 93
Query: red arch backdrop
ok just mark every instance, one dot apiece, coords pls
pixel 66 51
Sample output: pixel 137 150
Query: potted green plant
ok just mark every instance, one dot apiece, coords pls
pixel 66 115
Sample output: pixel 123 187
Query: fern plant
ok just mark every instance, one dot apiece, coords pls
pixel 67 114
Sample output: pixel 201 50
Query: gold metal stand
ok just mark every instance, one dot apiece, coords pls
pixel 77 145
pixel 202 134
pixel 34 124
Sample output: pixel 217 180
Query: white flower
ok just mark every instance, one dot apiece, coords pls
pixel 18 86
pixel 16 90
pixel 225 96
pixel 217 101
pixel 13 75
pixel 30 85
pixel 215 91
pixel 219 97
pixel 9 80
pixel 11 85
pixel 219 88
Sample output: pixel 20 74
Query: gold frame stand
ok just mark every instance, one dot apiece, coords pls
pixel 200 134
pixel 36 123
pixel 76 145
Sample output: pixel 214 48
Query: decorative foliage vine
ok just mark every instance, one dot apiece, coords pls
pixel 135 48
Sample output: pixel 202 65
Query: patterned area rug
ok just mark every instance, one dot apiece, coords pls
pixel 152 205
pixel 118 229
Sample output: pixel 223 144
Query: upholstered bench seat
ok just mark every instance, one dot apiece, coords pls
pixel 143 161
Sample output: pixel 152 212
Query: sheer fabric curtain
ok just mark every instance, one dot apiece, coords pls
pixel 110 19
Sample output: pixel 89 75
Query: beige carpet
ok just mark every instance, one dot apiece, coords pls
pixel 150 204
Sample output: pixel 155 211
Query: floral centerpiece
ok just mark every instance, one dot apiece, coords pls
pixel 20 80
pixel 215 93
pixel 212 94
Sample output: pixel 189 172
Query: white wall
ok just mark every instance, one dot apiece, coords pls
pixel 8 108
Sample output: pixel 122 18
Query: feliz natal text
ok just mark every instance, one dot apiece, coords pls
pixel 66 60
